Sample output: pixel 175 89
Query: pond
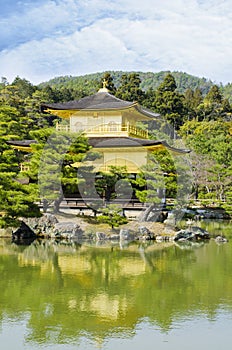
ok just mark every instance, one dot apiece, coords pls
pixel 63 295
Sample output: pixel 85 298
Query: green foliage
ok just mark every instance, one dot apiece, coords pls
pixel 165 176
pixel 215 106
pixel 199 108
pixel 212 138
pixel 82 86
pixel 169 102
pixel 112 216
pixel 108 79
pixel 35 118
pixel 114 184
pixel 52 164
pixel 16 199
pixel 21 104
pixel 212 164
pixel 214 95
pixel 24 87
pixel 150 181
pixel 227 91
pixel 129 89
pixel 192 100
pixel 89 83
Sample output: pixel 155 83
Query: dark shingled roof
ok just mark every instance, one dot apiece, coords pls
pixel 120 142
pixel 113 142
pixel 99 101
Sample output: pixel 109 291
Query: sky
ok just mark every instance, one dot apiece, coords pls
pixel 43 39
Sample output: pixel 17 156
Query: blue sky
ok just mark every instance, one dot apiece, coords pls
pixel 42 39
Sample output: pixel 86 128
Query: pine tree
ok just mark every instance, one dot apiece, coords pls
pixel 16 199
pixel 169 102
pixel 53 165
pixel 129 89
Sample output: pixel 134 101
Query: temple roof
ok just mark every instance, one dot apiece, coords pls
pixel 120 142
pixel 112 142
pixel 99 101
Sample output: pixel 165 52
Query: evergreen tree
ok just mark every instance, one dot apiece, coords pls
pixel 214 95
pixel 16 199
pixel 169 102
pixel 107 184
pixel 129 89
pixel 36 119
pixel 211 140
pixel 197 98
pixel 150 186
pixel 50 93
pixel 112 216
pixel 214 106
pixel 24 87
pixel 149 99
pixel 53 164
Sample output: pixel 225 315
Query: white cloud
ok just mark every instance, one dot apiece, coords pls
pixel 78 53
pixel 48 19
pixel 96 35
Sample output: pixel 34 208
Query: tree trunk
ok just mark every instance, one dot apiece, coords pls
pixel 57 202
pixel 144 216
pixel 45 205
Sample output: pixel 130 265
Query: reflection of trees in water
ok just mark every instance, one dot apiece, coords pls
pixel 70 289
pixel 216 227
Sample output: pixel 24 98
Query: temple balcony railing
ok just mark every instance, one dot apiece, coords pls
pixel 106 130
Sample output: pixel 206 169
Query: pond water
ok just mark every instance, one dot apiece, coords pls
pixel 57 295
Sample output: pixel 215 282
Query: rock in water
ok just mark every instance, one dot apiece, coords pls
pixel 193 234
pixel 200 233
pixel 23 232
pixel 221 239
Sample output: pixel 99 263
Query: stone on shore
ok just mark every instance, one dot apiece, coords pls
pixel 24 232
pixel 66 230
pixel 42 226
pixel 145 234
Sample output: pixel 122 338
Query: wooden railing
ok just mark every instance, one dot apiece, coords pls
pixel 109 129
pixel 135 131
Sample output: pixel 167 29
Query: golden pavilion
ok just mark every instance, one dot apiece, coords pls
pixel 114 127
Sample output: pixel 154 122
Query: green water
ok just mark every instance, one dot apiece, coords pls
pixel 111 296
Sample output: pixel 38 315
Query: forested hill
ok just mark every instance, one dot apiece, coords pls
pixel 90 82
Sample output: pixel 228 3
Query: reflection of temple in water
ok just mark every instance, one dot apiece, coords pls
pixel 80 292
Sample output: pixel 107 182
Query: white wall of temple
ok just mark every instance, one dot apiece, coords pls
pixel 89 120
